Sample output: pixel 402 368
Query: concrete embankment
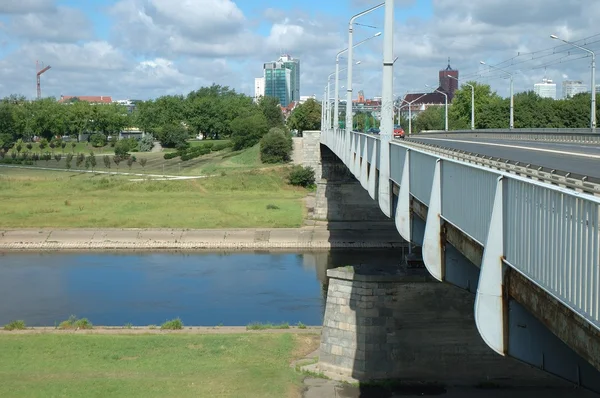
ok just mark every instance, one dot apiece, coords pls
pixel 309 237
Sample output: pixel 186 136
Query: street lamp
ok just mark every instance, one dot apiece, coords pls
pixel 350 55
pixel 472 101
pixel 323 108
pixel 328 113
pixel 336 121
pixel 446 99
pixel 512 107
pixel 410 112
pixel 593 112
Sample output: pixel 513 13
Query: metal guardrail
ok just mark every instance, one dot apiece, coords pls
pixel 543 134
pixel 548 233
pixel 562 178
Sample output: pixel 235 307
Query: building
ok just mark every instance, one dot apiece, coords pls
pixel 259 88
pixel 94 99
pixel 545 89
pixel 573 87
pixel 448 84
pixel 282 80
pixel 304 98
pixel 420 102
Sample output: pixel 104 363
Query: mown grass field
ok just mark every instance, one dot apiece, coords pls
pixel 237 197
pixel 170 365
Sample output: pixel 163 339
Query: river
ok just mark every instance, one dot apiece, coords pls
pixel 203 289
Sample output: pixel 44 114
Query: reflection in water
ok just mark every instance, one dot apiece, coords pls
pixel 204 289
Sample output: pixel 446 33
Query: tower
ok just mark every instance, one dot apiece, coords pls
pixel 448 84
pixel 38 74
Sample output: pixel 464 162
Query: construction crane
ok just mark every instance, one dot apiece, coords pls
pixel 39 73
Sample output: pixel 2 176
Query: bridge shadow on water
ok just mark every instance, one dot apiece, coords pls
pixel 388 327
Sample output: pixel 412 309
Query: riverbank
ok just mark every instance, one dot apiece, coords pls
pixel 149 365
pixel 320 235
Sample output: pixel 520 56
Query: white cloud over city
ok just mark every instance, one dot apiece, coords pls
pixel 147 48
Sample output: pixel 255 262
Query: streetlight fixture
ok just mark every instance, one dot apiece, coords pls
pixel 328 112
pixel 593 111
pixel 472 101
pixel 446 99
pixel 336 121
pixel 410 112
pixel 350 55
pixel 512 106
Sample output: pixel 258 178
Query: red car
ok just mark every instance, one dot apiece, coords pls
pixel 398 132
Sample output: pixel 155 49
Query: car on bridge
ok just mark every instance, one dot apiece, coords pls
pixel 398 131
pixel 373 130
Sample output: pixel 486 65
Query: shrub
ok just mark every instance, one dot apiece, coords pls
pixel 98 140
pixel 275 147
pixel 220 146
pixel 302 176
pixel 173 135
pixel 15 325
pixel 74 323
pixel 174 324
pixel 171 155
pixel 146 143
pixel 124 146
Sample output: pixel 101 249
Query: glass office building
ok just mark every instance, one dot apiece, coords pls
pixel 282 80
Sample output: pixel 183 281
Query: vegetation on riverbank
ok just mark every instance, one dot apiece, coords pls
pixel 242 194
pixel 224 365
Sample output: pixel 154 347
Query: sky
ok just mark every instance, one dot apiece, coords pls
pixel 142 49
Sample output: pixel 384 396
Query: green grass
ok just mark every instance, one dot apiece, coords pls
pixel 265 326
pixel 119 365
pixel 35 198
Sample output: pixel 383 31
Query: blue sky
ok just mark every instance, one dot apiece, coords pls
pixel 147 48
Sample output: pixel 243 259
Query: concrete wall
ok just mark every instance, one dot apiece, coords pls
pixel 385 322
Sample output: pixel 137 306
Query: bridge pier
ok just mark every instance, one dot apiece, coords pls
pixel 398 323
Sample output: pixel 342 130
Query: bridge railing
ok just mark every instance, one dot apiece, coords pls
pixel 549 234
pixel 542 134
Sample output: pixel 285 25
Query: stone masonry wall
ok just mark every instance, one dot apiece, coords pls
pixel 394 324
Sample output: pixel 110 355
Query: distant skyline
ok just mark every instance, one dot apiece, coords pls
pixel 146 48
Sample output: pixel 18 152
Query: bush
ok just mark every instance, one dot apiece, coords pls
pixel 174 324
pixel 302 176
pixel 15 325
pixel 124 146
pixel 74 323
pixel 98 140
pixel 219 146
pixel 173 136
pixel 247 131
pixel 171 155
pixel 146 143
pixel 275 147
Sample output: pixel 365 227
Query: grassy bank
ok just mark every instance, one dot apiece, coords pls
pixel 73 200
pixel 233 365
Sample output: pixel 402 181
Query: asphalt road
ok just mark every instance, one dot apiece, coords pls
pixel 574 158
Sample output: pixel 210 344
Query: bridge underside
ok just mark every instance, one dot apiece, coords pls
pixel 539 330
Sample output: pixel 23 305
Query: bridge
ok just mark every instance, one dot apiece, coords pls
pixel 512 217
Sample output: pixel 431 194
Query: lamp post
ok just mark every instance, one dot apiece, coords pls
pixel 410 112
pixel 446 99
pixel 593 111
pixel 472 101
pixel 328 112
pixel 323 108
pixel 512 106
pixel 350 55
pixel 336 121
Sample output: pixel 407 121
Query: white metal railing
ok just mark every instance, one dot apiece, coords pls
pixel 549 234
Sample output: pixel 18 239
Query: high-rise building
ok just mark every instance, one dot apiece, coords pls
pixel 572 87
pixel 282 80
pixel 448 84
pixel 545 89
pixel 259 88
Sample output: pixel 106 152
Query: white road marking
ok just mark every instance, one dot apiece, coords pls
pixel 583 155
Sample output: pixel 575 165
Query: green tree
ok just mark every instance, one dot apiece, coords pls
pixel 271 110
pixel 306 116
pixel 173 135
pixel 431 118
pixel 248 130
pixel 276 147
pixel 92 159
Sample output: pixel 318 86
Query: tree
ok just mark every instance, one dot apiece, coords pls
pixel 459 114
pixel 143 162
pixel 80 159
pixel 271 110
pixel 247 131
pixel 146 143
pixel 306 116
pixel 431 118
pixel 106 160
pixel 173 135
pixel 130 161
pixel 57 157
pixel 276 147
pixel 117 159
pixel 92 159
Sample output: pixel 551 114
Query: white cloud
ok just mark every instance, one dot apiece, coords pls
pixel 25 6
pixel 60 24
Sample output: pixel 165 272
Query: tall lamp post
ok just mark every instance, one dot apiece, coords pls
pixel 336 121
pixel 472 101
pixel 323 108
pixel 593 111
pixel 512 106
pixel 446 108
pixel 350 55
pixel 410 112
pixel 328 112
